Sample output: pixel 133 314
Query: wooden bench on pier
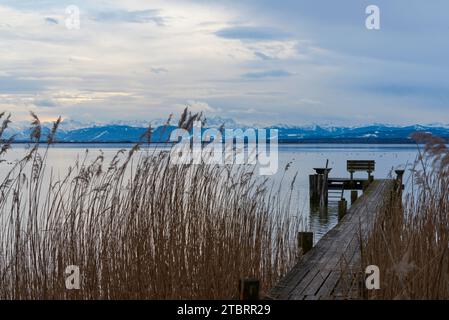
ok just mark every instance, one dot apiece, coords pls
pixel 360 165
pixel 353 183
pixel 316 181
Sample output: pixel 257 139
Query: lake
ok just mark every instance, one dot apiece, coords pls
pixel 302 158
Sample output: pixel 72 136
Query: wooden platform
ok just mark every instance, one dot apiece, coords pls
pixel 347 184
pixel 327 271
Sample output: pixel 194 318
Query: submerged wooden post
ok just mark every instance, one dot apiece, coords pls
pixel 305 241
pixel 365 185
pixel 354 196
pixel 318 187
pixel 313 190
pixel 342 208
pixel 399 174
pixel 399 179
pixel 249 289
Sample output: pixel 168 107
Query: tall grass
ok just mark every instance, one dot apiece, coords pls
pixel 137 226
pixel 410 239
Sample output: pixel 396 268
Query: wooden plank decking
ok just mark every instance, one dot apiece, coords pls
pixel 327 270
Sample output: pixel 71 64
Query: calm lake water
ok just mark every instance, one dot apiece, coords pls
pixel 302 159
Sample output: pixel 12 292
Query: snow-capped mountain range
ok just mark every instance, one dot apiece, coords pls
pixel 131 131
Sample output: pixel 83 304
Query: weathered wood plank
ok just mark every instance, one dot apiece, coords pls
pixel 323 271
pixel 348 263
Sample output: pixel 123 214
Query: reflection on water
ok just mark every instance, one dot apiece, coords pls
pixel 302 159
pixel 323 219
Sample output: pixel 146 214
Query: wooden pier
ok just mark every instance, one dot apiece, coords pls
pixel 329 270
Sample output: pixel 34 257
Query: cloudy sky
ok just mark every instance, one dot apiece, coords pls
pixel 257 61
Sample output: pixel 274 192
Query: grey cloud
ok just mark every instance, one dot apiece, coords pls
pixel 139 16
pixel 252 33
pixel 375 73
pixel 12 84
pixel 409 90
pixel 262 56
pixel 267 74
pixel 158 70
pixel 46 103
pixel 50 20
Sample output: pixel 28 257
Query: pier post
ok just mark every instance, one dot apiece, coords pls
pixel 318 189
pixel 365 185
pixel 342 208
pixel 354 196
pixel 249 289
pixel 399 180
pixel 305 241
pixel 313 189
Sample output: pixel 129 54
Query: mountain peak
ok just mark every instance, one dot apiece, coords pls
pixel 131 130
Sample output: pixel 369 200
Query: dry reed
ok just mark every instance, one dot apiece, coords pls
pixel 138 227
pixel 410 239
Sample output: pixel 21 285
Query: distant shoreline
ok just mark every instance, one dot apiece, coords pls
pixel 305 141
